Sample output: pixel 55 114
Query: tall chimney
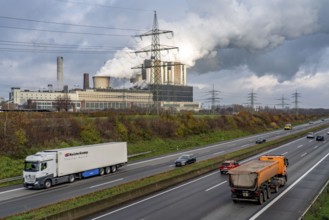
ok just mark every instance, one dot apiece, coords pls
pixel 86 81
pixel 60 73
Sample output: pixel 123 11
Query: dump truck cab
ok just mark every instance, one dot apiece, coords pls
pixel 283 162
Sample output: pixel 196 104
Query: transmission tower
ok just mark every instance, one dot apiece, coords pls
pixel 155 50
pixel 295 96
pixel 282 103
pixel 252 99
pixel 214 98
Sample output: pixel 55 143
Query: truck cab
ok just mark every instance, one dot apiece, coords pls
pixel 37 168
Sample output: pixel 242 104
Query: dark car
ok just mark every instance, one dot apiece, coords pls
pixel 184 160
pixel 260 140
pixel 227 165
pixel 320 138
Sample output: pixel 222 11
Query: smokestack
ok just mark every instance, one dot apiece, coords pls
pixel 86 81
pixel 60 73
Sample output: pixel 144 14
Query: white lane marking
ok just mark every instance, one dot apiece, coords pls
pixel 171 165
pixel 300 146
pixel 266 152
pixel 286 190
pixel 303 154
pixel 11 190
pixel 316 146
pixel 284 153
pixel 215 186
pixel 191 151
pixel 310 141
pixel 157 195
pixel 246 145
pixel 220 152
pixel 94 186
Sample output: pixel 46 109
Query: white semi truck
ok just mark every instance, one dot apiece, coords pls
pixel 51 167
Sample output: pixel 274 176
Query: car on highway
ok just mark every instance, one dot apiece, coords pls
pixel 320 138
pixel 260 140
pixel 310 135
pixel 228 165
pixel 288 127
pixel 185 159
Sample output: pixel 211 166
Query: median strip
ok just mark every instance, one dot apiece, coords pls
pixel 98 201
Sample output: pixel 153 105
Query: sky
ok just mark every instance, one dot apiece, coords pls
pixel 273 49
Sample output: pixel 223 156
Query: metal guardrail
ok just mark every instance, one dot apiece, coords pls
pixel 11 179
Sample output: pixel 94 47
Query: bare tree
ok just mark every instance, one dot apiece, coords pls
pixel 63 103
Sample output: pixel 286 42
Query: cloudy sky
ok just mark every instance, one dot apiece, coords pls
pixel 272 48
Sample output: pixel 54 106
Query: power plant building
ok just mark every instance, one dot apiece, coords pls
pixel 171 93
pixel 171 73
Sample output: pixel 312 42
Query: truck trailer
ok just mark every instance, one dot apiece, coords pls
pixel 51 167
pixel 257 179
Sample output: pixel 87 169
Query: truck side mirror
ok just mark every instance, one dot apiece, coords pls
pixel 286 162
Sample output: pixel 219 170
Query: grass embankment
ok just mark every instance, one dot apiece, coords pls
pixel 110 195
pixel 11 167
pixel 320 209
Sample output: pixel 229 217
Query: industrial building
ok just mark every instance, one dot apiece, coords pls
pixel 102 96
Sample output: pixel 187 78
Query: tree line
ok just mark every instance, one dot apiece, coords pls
pixel 23 133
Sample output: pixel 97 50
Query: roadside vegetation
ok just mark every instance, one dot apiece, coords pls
pixel 24 133
pixel 78 207
pixel 320 209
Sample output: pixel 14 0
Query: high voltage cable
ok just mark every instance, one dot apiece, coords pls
pixel 68 24
pixel 66 32
pixel 39 44
pixel 106 6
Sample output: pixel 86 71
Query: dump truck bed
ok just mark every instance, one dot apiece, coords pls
pixel 253 173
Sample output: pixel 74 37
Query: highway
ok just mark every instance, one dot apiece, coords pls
pixel 18 199
pixel 208 197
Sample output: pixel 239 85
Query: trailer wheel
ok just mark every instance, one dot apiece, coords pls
pixel 265 195
pixel 47 184
pixel 101 171
pixel 276 189
pixel 285 179
pixel 71 178
pixel 261 198
pixel 113 169
pixel 268 193
pixel 107 170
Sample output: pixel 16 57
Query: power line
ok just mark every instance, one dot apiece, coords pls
pixel 283 104
pixel 295 96
pixel 68 24
pixel 105 6
pixel 252 98
pixel 65 32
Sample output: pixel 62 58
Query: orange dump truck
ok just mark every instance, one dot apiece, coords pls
pixel 257 179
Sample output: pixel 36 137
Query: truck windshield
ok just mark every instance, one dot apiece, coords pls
pixel 31 166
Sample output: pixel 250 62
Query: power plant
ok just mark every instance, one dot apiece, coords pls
pixel 159 84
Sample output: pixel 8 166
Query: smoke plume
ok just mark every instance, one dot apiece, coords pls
pixel 256 27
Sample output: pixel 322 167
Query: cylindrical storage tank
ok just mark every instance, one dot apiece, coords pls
pixel 101 82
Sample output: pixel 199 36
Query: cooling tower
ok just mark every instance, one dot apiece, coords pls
pixel 86 81
pixel 59 73
pixel 101 82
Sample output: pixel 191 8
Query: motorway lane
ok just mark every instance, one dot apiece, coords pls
pixel 20 199
pixel 208 197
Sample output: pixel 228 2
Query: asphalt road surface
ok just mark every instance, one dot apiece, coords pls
pixel 17 199
pixel 209 197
